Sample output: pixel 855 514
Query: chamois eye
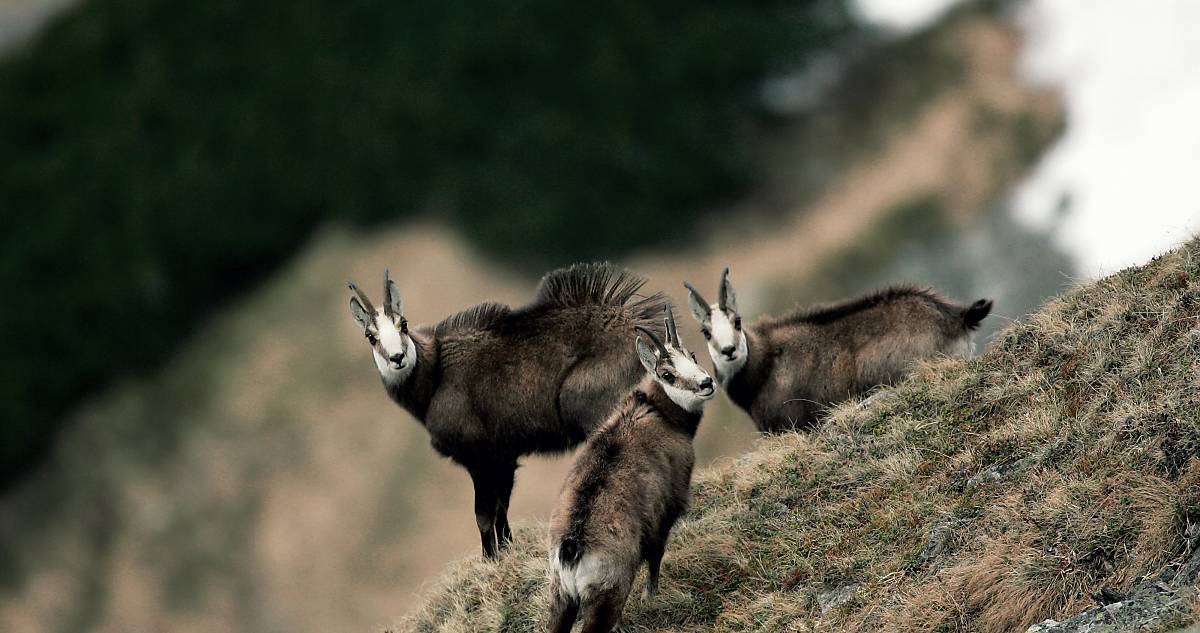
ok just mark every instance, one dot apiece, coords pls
pixel 693 357
pixel 706 333
pixel 371 338
pixel 737 323
pixel 404 325
pixel 668 377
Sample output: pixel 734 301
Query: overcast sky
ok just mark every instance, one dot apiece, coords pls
pixel 1129 162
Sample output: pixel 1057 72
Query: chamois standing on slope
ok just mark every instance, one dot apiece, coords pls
pixel 492 383
pixel 785 371
pixel 627 487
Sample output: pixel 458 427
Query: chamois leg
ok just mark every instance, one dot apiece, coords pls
pixel 602 612
pixel 485 508
pixel 505 476
pixel 652 550
pixel 563 611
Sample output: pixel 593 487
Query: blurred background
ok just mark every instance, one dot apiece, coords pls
pixel 192 434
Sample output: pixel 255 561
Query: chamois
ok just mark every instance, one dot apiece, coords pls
pixel 626 488
pixel 785 371
pixel 492 383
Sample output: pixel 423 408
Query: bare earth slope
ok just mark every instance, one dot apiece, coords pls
pixel 986 495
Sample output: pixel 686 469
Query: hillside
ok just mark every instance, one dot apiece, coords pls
pixel 987 495
pixel 263 481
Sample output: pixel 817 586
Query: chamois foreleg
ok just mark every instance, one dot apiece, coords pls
pixel 505 475
pixel 486 505
pixel 653 548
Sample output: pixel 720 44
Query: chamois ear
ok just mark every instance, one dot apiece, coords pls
pixel 700 309
pixel 359 313
pixel 728 299
pixel 646 355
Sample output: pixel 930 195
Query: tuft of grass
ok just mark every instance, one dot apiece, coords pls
pixel 1062 461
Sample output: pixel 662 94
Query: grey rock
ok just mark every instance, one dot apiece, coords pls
pixel 1001 471
pixel 935 545
pixel 834 598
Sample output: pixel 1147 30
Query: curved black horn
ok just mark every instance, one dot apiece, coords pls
pixel 721 295
pixel 699 297
pixel 662 349
pixel 672 331
pixel 362 297
pixel 387 296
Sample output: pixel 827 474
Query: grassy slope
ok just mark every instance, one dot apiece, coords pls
pixel 1088 413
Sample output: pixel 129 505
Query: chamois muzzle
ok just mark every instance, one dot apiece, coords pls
pixel 730 352
pixel 397 360
pixel 706 387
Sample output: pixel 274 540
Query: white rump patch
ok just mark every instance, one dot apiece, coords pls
pixel 591 574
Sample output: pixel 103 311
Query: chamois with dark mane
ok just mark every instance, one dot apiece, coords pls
pixel 626 488
pixel 785 371
pixel 492 383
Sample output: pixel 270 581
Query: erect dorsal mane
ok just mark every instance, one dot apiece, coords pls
pixel 828 313
pixel 481 316
pixel 595 283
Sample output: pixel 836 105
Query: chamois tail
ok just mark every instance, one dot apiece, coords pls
pixel 972 315
pixel 570 550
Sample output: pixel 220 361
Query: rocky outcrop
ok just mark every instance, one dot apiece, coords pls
pixel 1164 603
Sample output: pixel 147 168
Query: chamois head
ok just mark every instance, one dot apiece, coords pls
pixel 721 326
pixel 386 330
pixel 674 367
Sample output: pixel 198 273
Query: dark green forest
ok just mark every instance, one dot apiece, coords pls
pixel 159 156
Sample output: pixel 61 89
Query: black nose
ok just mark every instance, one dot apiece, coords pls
pixel 398 358
pixel 706 383
pixel 728 350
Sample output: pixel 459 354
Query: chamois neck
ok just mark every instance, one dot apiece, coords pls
pixel 415 392
pixel 743 386
pixel 653 395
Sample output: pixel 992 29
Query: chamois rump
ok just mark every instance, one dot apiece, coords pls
pixel 628 485
pixel 785 371
pixel 492 383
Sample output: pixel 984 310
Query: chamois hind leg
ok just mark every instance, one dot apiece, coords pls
pixel 505 475
pixel 602 611
pixel 486 504
pixel 563 611
pixel 652 550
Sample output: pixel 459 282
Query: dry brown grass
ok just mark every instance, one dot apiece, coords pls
pixel 1086 413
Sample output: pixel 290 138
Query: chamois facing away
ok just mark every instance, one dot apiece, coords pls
pixel 626 488
pixel 492 383
pixel 785 371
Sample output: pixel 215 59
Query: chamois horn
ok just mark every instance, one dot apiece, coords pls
pixel 387 296
pixel 672 330
pixel 722 295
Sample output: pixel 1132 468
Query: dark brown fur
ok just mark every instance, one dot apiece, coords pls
pixel 629 484
pixel 493 384
pixel 801 363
